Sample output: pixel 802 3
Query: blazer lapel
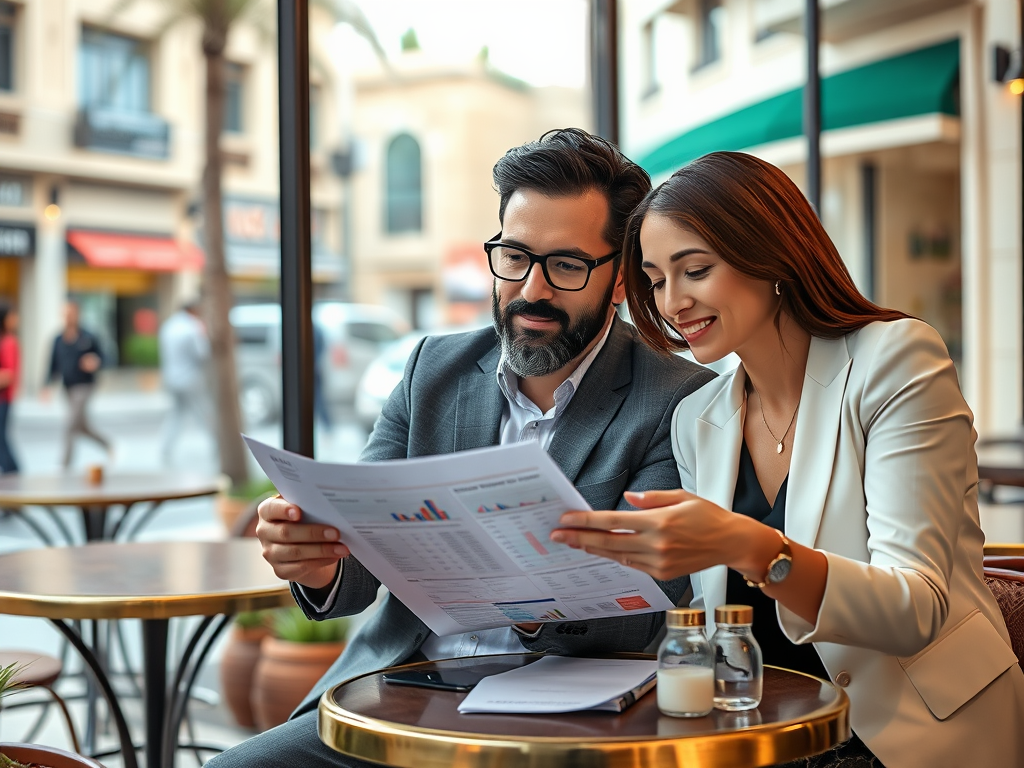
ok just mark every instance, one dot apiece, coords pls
pixel 815 442
pixel 594 405
pixel 478 405
pixel 719 431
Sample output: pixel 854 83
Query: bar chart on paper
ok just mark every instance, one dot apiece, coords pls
pixel 519 514
pixel 427 513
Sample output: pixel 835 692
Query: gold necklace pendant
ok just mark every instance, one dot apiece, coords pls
pixel 778 448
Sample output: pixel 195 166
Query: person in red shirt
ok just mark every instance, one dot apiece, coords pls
pixel 10 372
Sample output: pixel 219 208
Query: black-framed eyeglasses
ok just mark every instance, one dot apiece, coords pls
pixel 563 271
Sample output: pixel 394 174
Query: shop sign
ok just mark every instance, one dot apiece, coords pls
pixel 15 191
pixel 252 236
pixel 17 239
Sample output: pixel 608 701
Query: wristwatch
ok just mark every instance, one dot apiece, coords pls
pixel 779 568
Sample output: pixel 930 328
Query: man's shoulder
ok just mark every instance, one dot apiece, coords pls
pixel 454 349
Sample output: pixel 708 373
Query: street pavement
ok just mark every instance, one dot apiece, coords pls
pixel 133 418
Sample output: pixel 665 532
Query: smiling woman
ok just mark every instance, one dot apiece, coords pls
pixel 830 481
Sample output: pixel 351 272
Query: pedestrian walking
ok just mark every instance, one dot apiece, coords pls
pixel 75 360
pixel 10 372
pixel 184 354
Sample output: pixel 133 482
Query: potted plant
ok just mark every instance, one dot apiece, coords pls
pixel 233 502
pixel 238 663
pixel 32 755
pixel 293 658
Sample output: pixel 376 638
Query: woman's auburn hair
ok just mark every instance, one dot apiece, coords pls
pixel 758 221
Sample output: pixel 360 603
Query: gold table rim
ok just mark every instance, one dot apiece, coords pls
pixel 205 486
pixel 143 606
pixel 436 748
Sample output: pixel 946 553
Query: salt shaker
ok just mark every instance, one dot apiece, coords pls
pixel 738 669
pixel 686 680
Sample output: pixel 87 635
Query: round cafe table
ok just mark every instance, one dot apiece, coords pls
pixel 124 490
pixel 366 718
pixel 154 582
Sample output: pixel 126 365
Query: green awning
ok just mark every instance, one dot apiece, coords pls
pixel 922 82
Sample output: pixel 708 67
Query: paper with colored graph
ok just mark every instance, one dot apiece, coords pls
pixel 463 539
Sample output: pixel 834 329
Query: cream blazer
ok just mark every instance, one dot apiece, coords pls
pixel 884 481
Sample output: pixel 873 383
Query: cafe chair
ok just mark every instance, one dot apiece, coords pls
pixel 39 670
pixel 1004 575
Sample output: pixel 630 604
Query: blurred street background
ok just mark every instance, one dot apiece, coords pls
pixel 143 190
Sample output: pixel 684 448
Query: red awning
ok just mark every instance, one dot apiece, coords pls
pixel 156 254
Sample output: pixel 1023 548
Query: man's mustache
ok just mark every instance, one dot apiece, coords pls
pixel 536 309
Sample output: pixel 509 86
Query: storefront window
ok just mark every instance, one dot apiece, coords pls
pixel 8 14
pixel 114 72
pixel 712 23
pixel 404 185
pixel 234 97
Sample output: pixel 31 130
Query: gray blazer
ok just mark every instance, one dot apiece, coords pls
pixel 613 437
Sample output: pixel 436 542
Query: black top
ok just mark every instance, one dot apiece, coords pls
pixel 778 650
pixel 65 361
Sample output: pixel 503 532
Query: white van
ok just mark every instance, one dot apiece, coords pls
pixel 353 335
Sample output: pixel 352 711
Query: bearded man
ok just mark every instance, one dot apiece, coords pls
pixel 559 366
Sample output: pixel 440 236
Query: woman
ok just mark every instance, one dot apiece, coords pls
pixel 10 364
pixel 834 471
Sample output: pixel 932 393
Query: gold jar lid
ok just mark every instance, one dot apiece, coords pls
pixel 684 617
pixel 734 614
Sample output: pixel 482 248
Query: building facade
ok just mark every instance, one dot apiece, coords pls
pixel 427 136
pixel 101 155
pixel 921 150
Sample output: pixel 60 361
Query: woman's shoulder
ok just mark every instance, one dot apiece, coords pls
pixel 904 345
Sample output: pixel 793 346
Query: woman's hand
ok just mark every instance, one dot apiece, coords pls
pixel 674 534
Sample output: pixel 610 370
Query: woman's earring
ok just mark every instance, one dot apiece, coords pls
pixel 777 291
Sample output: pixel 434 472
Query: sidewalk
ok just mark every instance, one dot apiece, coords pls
pixel 123 396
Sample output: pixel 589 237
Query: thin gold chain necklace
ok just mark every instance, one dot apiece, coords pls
pixel 779 446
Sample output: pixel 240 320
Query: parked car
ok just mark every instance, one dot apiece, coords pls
pixel 385 372
pixel 353 335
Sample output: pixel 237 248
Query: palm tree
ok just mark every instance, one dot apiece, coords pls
pixel 217 17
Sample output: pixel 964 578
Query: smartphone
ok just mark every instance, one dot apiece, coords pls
pixel 448 680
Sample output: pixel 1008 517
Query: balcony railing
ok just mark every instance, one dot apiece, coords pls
pixel 125 133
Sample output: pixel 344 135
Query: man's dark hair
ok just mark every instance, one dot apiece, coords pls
pixel 570 161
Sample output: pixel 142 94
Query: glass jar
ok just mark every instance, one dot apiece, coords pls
pixel 738 668
pixel 686 675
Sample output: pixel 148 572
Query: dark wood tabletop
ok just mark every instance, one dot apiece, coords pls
pixel 74 489
pixel 422 728
pixel 140 580
pixel 1001 462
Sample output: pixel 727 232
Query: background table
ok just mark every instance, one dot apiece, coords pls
pixel 118 489
pixel 1001 462
pixel 152 581
pixel 409 727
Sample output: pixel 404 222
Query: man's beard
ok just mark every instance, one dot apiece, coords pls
pixel 531 352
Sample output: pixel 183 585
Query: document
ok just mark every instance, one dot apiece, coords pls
pixel 563 684
pixel 462 538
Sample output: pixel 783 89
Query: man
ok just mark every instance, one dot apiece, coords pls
pixel 558 367
pixel 75 359
pixel 184 352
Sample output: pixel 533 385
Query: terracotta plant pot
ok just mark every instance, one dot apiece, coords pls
pixel 229 509
pixel 237 668
pixel 33 754
pixel 286 672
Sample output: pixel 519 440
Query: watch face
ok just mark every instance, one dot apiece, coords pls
pixel 779 570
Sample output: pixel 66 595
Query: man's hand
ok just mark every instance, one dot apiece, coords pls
pixel 90 362
pixel 306 553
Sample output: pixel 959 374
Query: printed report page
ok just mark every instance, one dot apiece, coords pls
pixel 462 538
